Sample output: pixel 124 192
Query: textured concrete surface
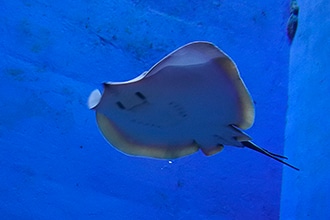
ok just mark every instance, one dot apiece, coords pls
pixel 306 194
pixel 55 163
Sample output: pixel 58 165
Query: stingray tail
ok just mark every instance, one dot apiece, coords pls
pixel 277 157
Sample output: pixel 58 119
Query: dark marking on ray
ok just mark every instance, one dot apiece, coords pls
pixel 140 95
pixel 120 105
pixel 179 109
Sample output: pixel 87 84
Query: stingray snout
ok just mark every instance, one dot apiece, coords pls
pixel 94 99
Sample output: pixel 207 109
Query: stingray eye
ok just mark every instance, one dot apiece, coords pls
pixel 120 105
pixel 140 95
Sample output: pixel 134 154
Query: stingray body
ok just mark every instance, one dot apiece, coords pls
pixel 193 99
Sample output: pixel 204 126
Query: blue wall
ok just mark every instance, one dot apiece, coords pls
pixel 55 163
pixel 306 194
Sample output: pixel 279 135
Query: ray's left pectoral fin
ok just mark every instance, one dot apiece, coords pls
pixel 277 157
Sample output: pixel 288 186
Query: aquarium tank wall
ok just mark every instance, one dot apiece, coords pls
pixel 55 164
pixel 305 195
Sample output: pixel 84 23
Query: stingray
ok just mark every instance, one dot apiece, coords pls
pixel 193 99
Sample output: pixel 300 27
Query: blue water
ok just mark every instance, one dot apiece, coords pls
pixel 55 164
